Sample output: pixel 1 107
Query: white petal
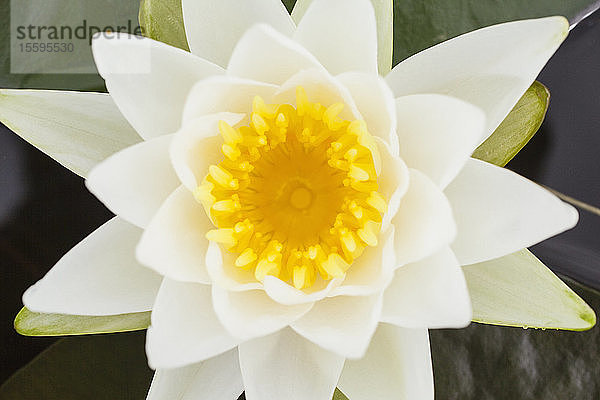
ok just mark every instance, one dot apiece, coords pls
pixel 286 366
pixel 385 26
pixel 224 94
pixel 77 129
pixel 252 313
pixel 342 324
pixel 214 27
pixel 223 272
pixel 197 145
pixel 284 293
pixel 134 182
pixel 393 180
pixel 499 212
pixel 342 34
pixel 375 101
pixel 321 88
pixel 265 55
pixel 424 222
pixel 149 80
pixel 372 271
pixel 218 378
pixel 99 276
pixel 438 134
pixel 396 366
pixel 490 67
pixel 431 293
pixel 174 243
pixel 185 328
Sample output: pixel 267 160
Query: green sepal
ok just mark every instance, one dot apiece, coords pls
pixel 29 323
pixel 518 127
pixel 519 290
pixel 338 395
pixel 162 20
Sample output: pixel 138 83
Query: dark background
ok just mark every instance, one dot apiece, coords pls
pixel 45 210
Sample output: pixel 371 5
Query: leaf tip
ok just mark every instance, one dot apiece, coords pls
pixel 20 322
pixel 587 315
pixel 583 312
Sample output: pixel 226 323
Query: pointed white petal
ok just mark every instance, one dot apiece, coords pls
pixel 218 378
pixel 99 276
pixel 342 324
pixel 149 80
pixel 376 104
pixel 174 243
pixel 424 222
pixel 185 328
pixel 396 366
pixel 385 29
pixel 372 271
pixel 214 27
pixel 342 34
pixel 438 134
pixel 134 182
pixel 265 55
pixel 197 145
pixel 224 94
pixel 286 366
pixel 76 129
pixel 499 212
pixel 430 293
pixel 490 67
pixel 252 313
pixel 223 273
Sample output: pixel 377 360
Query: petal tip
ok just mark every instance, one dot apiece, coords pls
pixel 573 217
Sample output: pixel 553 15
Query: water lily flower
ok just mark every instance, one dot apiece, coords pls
pixel 294 220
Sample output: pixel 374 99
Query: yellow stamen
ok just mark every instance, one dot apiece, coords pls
pixel 296 195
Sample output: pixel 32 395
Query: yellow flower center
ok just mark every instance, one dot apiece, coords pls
pixel 296 195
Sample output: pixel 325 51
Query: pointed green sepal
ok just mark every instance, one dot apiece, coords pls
pixel 338 395
pixel 29 323
pixel 519 290
pixel 162 20
pixel 518 127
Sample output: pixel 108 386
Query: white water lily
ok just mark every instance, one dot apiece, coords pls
pixel 304 220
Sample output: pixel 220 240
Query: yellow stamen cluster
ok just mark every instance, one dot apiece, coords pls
pixel 296 195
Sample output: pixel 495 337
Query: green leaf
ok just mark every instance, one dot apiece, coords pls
pixel 162 20
pixel 29 323
pixel 419 24
pixel 519 290
pixel 518 127
pixel 104 367
pixel 385 29
pixel 76 129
